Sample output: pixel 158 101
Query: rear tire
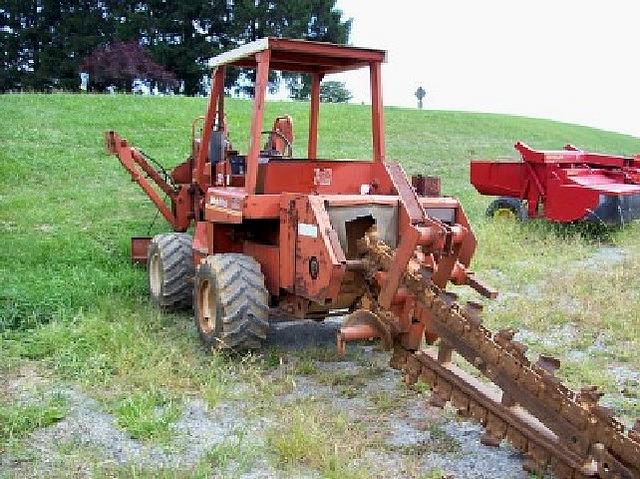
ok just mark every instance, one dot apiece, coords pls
pixel 231 303
pixel 507 208
pixel 170 271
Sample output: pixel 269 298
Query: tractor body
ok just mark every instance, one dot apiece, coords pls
pixel 566 185
pixel 301 217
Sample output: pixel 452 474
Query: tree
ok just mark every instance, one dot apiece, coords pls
pixel 299 87
pixel 42 42
pixel 180 35
pixel 122 62
pixel 334 92
pixel 14 60
pixel 316 20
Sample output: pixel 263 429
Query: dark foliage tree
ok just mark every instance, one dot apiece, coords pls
pixel 316 20
pixel 334 92
pixel 12 53
pixel 120 63
pixel 42 42
pixel 299 87
pixel 181 35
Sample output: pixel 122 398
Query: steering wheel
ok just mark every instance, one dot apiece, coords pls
pixel 288 146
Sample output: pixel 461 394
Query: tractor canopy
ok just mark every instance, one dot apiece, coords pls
pixel 299 56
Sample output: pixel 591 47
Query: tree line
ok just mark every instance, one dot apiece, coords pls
pixel 44 43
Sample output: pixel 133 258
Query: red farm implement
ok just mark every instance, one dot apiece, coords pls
pixel 307 237
pixel 563 186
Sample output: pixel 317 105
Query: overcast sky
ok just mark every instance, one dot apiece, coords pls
pixel 568 60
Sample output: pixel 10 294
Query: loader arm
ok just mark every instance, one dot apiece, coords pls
pixel 134 161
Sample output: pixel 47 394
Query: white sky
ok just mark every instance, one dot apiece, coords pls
pixel 568 60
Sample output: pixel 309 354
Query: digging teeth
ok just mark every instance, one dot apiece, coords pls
pixel 472 312
pixel 519 349
pixel 548 364
pixel 496 430
pixel 589 396
pixel 576 418
pixel 605 413
pixel 490 440
pixel 504 338
pixel 437 401
pixel 505 335
pixel 634 432
pixel 449 298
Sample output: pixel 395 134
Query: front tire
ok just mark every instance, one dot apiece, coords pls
pixel 170 271
pixel 231 303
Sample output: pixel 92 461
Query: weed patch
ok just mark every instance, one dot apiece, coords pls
pixel 19 420
pixel 439 442
pixel 309 434
pixel 235 455
pixel 147 415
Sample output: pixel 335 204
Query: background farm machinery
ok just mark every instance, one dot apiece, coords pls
pixel 562 186
pixel 310 237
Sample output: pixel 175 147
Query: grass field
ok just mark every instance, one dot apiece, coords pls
pixel 74 310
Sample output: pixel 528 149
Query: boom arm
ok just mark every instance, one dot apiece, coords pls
pixel 180 214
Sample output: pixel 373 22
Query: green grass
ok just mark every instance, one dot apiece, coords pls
pixel 72 304
pixel 68 209
pixel 121 347
pixel 434 474
pixel 311 435
pixel 147 415
pixel 18 420
pixel 236 452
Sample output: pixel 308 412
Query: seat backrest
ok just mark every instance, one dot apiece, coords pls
pixel 217 146
pixel 284 126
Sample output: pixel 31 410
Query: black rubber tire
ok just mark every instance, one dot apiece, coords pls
pixel 170 271
pixel 231 303
pixel 514 205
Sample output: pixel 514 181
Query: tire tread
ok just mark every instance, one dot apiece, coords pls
pixel 178 271
pixel 244 301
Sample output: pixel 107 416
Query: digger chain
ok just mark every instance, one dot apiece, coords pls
pixel 556 428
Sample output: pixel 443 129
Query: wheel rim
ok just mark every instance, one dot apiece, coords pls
pixel 155 275
pixel 206 308
pixel 504 214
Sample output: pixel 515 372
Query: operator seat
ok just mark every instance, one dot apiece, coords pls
pixel 280 138
pixel 218 144
pixel 220 150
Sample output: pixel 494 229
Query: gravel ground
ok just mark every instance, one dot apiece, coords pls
pixel 88 425
pixel 411 445
pixel 603 257
pixel 417 439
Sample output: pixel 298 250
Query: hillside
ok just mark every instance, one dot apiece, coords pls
pixel 73 309
pixel 69 209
